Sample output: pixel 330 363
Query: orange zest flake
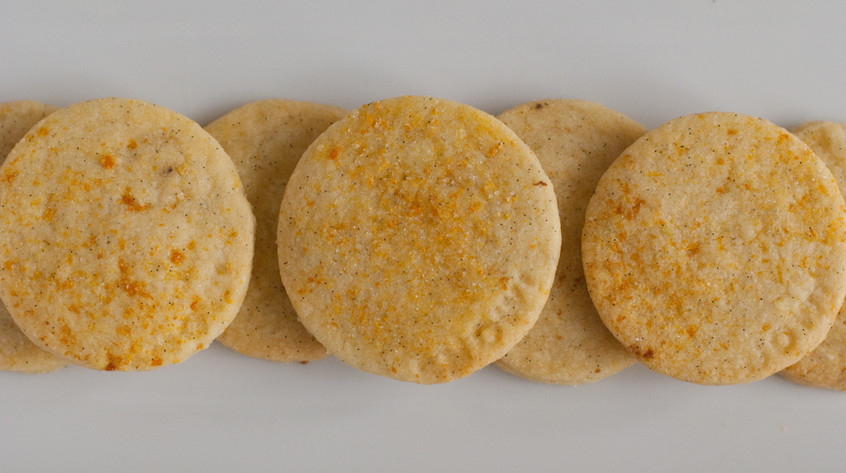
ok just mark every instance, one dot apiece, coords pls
pixel 65 284
pixel 129 200
pixel 693 248
pixel 132 144
pixel 195 303
pixel 503 282
pixel 48 214
pixel 176 256
pixel 107 161
pixel 334 153
pixel 629 213
pixel 132 287
pixel 43 131
pixel 10 176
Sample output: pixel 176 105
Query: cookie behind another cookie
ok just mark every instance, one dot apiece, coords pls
pixel 265 139
pixel 18 353
pixel 575 142
pixel 825 366
pixel 713 248
pixel 126 238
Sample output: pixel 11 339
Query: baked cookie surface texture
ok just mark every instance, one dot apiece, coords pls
pixel 825 366
pixel 17 353
pixel 714 248
pixel 418 239
pixel 265 139
pixel 575 142
pixel 126 238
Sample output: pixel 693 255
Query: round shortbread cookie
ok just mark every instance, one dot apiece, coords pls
pixel 17 353
pixel 714 248
pixel 575 142
pixel 418 239
pixel 825 366
pixel 265 139
pixel 126 236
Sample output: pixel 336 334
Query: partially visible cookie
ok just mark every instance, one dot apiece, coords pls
pixel 17 353
pixel 418 239
pixel 714 248
pixel 16 118
pixel 126 239
pixel 265 139
pixel 575 142
pixel 825 367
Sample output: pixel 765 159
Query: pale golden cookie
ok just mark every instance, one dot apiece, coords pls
pixel 17 353
pixel 575 142
pixel 16 118
pixel 418 239
pixel 825 367
pixel 265 139
pixel 126 238
pixel 714 248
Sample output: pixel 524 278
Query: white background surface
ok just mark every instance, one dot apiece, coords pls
pixel 220 411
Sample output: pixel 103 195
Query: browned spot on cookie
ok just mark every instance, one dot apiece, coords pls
pixel 129 200
pixel 107 161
